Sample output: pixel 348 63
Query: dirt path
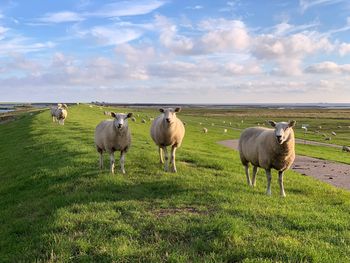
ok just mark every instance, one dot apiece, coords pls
pixel 336 174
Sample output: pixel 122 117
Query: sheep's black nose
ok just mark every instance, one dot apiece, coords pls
pixel 167 119
pixel 119 125
pixel 279 138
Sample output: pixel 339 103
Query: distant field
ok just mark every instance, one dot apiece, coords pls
pixel 57 207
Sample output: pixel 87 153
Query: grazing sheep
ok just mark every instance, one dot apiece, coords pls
pixel 333 133
pixel 107 113
pixel 184 123
pixel 113 135
pixel 59 113
pixel 230 123
pixel 200 123
pixel 268 148
pixel 225 130
pixel 328 139
pixel 346 148
pixel 205 130
pixel 143 121
pixel 223 122
pixel 133 119
pixel 168 130
pixel 339 127
pixel 324 135
pixel 320 127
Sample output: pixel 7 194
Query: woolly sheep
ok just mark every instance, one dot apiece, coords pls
pixel 143 121
pixel 59 113
pixel 268 148
pixel 346 148
pixel 168 130
pixel 225 130
pixel 333 133
pixel 113 135
pixel 133 119
pixel 328 139
pixel 205 130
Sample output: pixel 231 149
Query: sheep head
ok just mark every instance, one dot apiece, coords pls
pixel 120 119
pixel 282 130
pixel 169 114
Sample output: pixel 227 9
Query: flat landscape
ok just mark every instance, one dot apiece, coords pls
pixel 57 206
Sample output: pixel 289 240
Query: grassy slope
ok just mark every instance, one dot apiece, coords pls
pixel 56 206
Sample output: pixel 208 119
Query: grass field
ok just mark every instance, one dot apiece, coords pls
pixel 57 207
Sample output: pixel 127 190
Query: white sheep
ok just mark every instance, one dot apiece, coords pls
pixel 168 130
pixel 143 121
pixel 133 119
pixel 333 133
pixel 113 135
pixel 346 148
pixel 59 113
pixel 205 130
pixel 225 130
pixel 268 148
pixel 328 139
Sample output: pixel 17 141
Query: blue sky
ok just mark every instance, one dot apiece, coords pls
pixel 165 51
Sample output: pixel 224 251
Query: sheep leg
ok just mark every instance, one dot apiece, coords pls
pixel 246 168
pixel 172 159
pixel 268 176
pixel 112 161
pixel 122 161
pixel 166 158
pixel 255 170
pixel 101 160
pixel 161 160
pixel 280 181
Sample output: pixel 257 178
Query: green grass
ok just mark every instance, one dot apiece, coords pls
pixel 57 207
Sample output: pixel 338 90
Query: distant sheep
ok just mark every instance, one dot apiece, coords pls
pixel 346 148
pixel 107 113
pixel 268 148
pixel 205 130
pixel 328 139
pixel 184 123
pixel 59 113
pixel 133 119
pixel 168 130
pixel 339 127
pixel 225 130
pixel 333 133
pixel 143 121
pixel 113 135
pixel 200 123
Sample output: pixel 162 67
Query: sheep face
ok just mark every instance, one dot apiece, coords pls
pixel 282 130
pixel 60 114
pixel 169 114
pixel 120 119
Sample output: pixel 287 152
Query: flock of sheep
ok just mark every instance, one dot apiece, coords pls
pixel 262 147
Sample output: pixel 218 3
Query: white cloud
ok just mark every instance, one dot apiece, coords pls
pixel 128 8
pixel 306 4
pixel 344 49
pixel 328 67
pixel 61 17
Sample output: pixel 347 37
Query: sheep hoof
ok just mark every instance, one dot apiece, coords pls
pixel 283 195
pixel 268 193
pixel 123 171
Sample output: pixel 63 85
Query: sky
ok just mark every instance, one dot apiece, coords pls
pixel 175 51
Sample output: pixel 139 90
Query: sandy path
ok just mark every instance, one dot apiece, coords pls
pixel 336 174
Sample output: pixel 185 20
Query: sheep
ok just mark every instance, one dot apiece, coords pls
pixel 168 130
pixel 200 123
pixel 268 148
pixel 59 113
pixel 205 130
pixel 107 113
pixel 143 121
pixel 333 133
pixel 324 135
pixel 184 123
pixel 346 148
pixel 225 130
pixel 133 119
pixel 328 139
pixel 339 126
pixel 113 135
pixel 320 127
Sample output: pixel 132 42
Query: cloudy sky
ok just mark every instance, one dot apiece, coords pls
pixel 241 51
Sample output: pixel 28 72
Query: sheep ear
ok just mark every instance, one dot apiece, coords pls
pixel 178 109
pixel 65 106
pixel 292 123
pixel 113 114
pixel 161 110
pixel 272 123
pixel 129 115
